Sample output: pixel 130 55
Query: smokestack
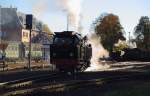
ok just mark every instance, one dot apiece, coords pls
pixel 73 11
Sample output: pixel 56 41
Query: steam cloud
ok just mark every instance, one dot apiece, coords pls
pixel 73 10
pixel 40 8
pixel 97 52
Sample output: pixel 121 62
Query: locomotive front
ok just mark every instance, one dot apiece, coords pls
pixel 70 51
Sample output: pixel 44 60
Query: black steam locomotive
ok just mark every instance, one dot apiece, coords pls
pixel 70 52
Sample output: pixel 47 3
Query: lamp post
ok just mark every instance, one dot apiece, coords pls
pixel 68 22
pixel 0 25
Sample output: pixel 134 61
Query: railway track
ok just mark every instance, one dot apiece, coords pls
pixel 26 79
pixel 70 84
pixel 31 82
pixel 26 82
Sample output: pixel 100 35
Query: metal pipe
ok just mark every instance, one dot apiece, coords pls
pixel 67 22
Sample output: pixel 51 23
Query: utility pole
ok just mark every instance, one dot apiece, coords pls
pixel 29 27
pixel 0 25
pixel 68 22
pixel 129 39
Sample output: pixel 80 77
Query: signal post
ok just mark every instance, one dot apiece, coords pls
pixel 29 18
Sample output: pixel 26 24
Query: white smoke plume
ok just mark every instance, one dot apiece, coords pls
pixel 97 52
pixel 40 8
pixel 73 10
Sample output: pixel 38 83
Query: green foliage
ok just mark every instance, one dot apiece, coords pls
pixel 142 33
pixel 120 46
pixel 109 29
pixel 46 29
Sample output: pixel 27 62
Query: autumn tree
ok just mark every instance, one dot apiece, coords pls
pixel 46 29
pixel 142 33
pixel 109 29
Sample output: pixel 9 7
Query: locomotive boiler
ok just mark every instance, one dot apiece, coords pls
pixel 70 51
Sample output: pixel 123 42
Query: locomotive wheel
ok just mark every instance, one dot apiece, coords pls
pixel 88 64
pixel 60 70
pixel 73 70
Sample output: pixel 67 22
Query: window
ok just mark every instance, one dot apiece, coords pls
pixel 25 34
pixel 61 41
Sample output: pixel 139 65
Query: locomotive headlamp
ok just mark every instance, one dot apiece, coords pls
pixel 71 54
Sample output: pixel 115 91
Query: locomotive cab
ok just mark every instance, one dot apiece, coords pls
pixel 70 51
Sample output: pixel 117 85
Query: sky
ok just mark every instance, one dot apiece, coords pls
pixel 48 11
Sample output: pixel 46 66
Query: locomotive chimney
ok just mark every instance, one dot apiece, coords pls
pixel 73 10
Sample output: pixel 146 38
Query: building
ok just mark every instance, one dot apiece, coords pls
pixel 13 32
pixel 10 25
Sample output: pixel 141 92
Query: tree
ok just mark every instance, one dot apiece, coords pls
pixel 142 33
pixel 109 29
pixel 120 46
pixel 46 29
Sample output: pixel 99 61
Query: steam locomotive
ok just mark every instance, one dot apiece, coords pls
pixel 70 52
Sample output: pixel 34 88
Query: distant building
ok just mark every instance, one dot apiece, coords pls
pixel 44 39
pixel 10 26
pixel 12 30
pixel 25 35
pixel 36 25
